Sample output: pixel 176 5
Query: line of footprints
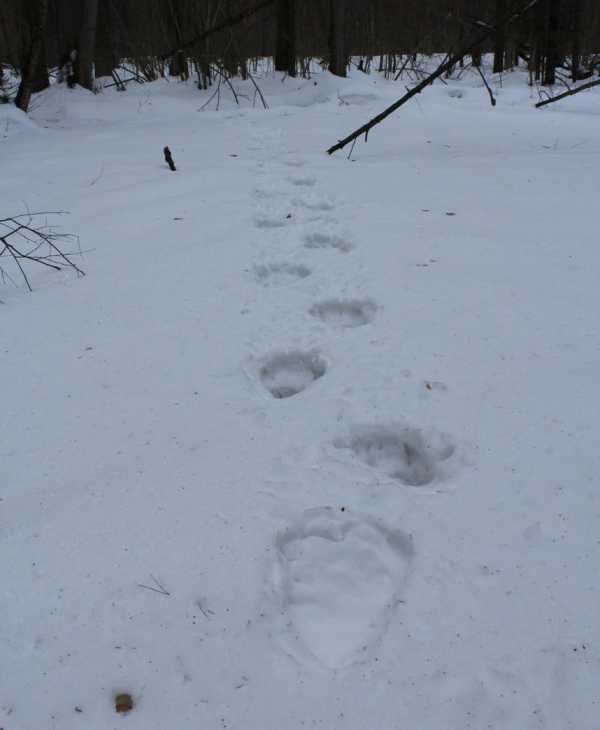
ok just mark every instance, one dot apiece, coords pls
pixel 338 575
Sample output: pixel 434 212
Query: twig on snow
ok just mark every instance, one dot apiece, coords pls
pixel 22 241
pixel 161 589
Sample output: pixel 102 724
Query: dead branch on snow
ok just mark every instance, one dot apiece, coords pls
pixel 24 242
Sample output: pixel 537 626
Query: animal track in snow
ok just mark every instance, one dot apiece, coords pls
pixel 313 202
pixel 403 453
pixel 293 163
pixel 327 240
pixel 270 222
pixel 288 374
pixel 265 193
pixel 345 313
pixel 338 577
pixel 306 182
pixel 280 273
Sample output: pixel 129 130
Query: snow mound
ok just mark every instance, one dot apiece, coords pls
pixel 358 99
pixel 13 121
pixel 357 90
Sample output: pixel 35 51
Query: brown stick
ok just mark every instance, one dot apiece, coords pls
pixel 223 25
pixel 440 70
pixel 570 92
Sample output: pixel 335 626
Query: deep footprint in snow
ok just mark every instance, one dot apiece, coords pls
pixel 403 453
pixel 288 374
pixel 327 240
pixel 338 577
pixel 280 274
pixel 345 313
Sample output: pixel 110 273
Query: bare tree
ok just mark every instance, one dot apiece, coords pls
pixel 500 37
pixel 285 53
pixel 337 37
pixel 551 53
pixel 34 63
pixel 87 42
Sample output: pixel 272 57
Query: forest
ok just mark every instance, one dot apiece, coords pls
pixel 79 41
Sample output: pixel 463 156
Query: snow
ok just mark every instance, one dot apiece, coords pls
pixel 314 443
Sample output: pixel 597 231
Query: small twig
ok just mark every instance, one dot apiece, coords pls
pixel 22 241
pixel 206 612
pixel 161 589
pixel 95 180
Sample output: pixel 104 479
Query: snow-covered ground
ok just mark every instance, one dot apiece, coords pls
pixel 315 442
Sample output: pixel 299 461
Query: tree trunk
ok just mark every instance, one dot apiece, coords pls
pixel 66 26
pixel 41 79
pixel 285 54
pixel 337 37
pixel 500 38
pixel 575 39
pixel 551 52
pixel 104 58
pixel 178 65
pixel 7 38
pixel 87 43
pixel 30 79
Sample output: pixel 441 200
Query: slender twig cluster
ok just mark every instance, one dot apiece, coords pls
pixel 27 240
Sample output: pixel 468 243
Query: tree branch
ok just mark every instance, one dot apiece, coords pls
pixel 570 92
pixel 22 241
pixel 447 64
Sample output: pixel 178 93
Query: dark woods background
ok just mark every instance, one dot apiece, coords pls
pixel 139 40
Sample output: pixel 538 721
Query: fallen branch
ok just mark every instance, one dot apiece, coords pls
pixel 570 92
pixel 447 64
pixel 23 243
